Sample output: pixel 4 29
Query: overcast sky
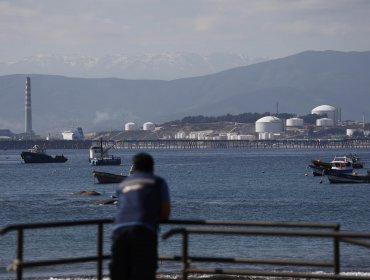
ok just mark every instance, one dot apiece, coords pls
pixel 256 28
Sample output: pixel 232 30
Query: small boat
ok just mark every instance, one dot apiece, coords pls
pixel 38 155
pixel 344 164
pixel 108 178
pixel 336 177
pixel 99 156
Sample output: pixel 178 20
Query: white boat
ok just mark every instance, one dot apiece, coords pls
pixel 344 164
pixel 99 156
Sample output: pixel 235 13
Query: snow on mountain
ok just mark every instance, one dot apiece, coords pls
pixel 166 66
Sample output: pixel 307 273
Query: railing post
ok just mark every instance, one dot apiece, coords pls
pixel 185 264
pixel 19 260
pixel 99 268
pixel 336 256
pixel 336 253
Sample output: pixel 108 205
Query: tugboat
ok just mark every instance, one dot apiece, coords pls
pixel 38 155
pixel 99 156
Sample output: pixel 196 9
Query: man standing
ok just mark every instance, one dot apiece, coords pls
pixel 143 200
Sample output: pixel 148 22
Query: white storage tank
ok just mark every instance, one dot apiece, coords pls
pixel 330 111
pixel 324 122
pixel 149 126
pixel 130 126
pixel 294 122
pixel 269 124
pixel 350 131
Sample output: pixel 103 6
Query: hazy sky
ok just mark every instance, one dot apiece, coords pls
pixel 256 28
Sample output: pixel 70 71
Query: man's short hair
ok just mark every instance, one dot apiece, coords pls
pixel 143 162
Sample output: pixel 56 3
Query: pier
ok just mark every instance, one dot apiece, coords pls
pixel 190 144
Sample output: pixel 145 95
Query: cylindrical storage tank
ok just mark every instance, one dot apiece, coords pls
pixel 330 111
pixel 325 122
pixel 350 131
pixel 149 126
pixel 130 126
pixel 295 122
pixel 269 124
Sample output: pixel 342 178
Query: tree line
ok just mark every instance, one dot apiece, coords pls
pixel 242 118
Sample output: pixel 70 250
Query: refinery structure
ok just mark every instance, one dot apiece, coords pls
pixel 328 123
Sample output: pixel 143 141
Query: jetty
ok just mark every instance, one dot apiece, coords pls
pixel 191 144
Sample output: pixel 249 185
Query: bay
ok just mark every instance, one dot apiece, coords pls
pixel 205 184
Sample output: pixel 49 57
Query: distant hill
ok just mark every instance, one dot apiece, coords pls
pixel 298 83
pixel 163 66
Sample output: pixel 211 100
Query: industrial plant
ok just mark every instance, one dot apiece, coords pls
pixel 328 123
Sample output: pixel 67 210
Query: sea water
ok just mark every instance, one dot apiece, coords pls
pixel 205 184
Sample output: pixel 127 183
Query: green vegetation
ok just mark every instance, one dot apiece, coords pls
pixel 241 118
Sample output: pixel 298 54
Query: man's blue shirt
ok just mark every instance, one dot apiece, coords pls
pixel 140 197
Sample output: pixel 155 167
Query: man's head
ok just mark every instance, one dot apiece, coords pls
pixel 143 162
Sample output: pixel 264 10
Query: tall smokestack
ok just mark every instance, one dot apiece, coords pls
pixel 28 113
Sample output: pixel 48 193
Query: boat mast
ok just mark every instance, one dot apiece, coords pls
pixel 101 147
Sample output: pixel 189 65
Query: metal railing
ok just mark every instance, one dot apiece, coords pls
pixel 214 227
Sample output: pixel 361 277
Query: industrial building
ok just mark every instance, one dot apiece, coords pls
pixel 330 111
pixel 73 135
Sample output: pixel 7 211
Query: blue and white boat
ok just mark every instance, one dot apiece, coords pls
pixel 344 164
pixel 100 156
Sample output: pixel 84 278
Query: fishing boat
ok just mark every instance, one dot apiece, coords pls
pixel 108 178
pixel 38 155
pixel 100 156
pixel 337 177
pixel 344 164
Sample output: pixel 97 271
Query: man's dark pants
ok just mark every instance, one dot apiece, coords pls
pixel 134 254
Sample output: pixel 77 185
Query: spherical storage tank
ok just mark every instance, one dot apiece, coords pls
pixel 269 124
pixel 130 126
pixel 330 111
pixel 149 126
pixel 294 122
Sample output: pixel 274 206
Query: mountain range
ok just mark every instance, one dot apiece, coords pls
pixel 166 66
pixel 297 83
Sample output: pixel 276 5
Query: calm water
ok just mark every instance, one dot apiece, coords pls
pixel 219 184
